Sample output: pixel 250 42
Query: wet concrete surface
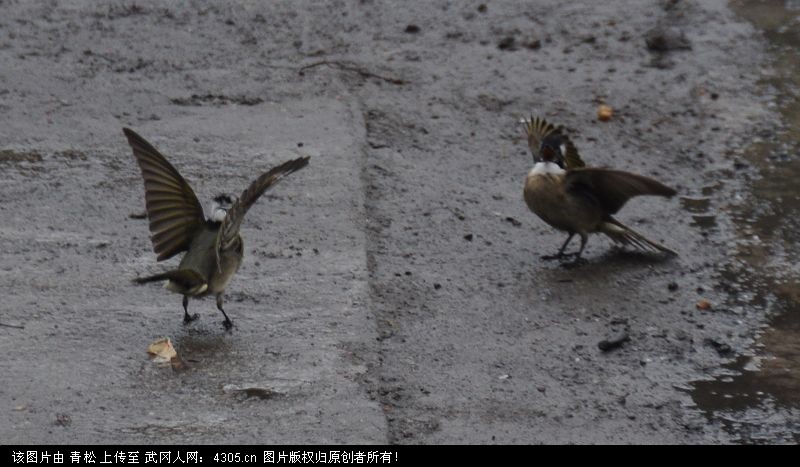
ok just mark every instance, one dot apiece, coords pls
pixel 392 291
pixel 758 399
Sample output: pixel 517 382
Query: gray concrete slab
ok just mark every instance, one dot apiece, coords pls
pixel 385 294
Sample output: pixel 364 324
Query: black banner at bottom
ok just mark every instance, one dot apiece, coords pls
pixel 201 455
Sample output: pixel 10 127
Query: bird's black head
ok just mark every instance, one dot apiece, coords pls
pixel 224 200
pixel 553 149
pixel 220 205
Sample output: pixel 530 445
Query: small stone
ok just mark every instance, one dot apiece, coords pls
pixel 535 44
pixel 63 419
pixel 613 342
pixel 507 43
pixel 723 349
pixel 661 39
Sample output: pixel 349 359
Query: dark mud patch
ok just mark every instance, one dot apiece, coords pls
pixel 216 100
pixel 11 157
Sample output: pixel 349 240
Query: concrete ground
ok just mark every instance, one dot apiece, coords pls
pixel 392 291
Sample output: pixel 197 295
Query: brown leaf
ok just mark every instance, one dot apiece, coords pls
pixel 604 113
pixel 703 305
pixel 162 351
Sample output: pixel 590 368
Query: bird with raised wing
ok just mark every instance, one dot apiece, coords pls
pixel 214 248
pixel 580 200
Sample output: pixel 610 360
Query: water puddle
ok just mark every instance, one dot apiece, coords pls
pixel 697 205
pixel 757 398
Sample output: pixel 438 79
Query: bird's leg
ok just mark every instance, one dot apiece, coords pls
pixel 578 259
pixel 228 324
pixel 584 239
pixel 187 318
pixel 560 253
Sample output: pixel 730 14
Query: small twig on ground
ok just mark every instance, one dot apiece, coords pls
pixel 354 68
pixel 15 326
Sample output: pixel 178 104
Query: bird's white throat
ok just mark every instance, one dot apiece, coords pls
pixel 545 168
pixel 218 214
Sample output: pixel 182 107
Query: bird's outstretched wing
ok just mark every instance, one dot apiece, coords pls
pixel 612 188
pixel 537 129
pixel 572 160
pixel 172 207
pixel 229 231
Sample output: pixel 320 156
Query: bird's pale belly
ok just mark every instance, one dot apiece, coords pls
pixel 545 196
pixel 219 280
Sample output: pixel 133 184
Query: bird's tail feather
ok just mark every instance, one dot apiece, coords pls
pixel 624 235
pixel 185 281
pixel 153 278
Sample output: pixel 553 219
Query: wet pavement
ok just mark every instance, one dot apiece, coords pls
pixel 392 291
pixel 758 399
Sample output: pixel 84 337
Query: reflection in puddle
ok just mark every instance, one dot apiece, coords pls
pixel 695 205
pixel 704 221
pixel 758 398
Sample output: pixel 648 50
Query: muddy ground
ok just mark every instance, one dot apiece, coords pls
pixel 392 291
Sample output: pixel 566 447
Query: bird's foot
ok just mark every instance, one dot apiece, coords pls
pixel 227 324
pixel 187 318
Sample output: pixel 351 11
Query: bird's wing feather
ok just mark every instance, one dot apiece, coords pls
pixel 229 230
pixel 572 160
pixel 537 129
pixel 172 207
pixel 613 188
